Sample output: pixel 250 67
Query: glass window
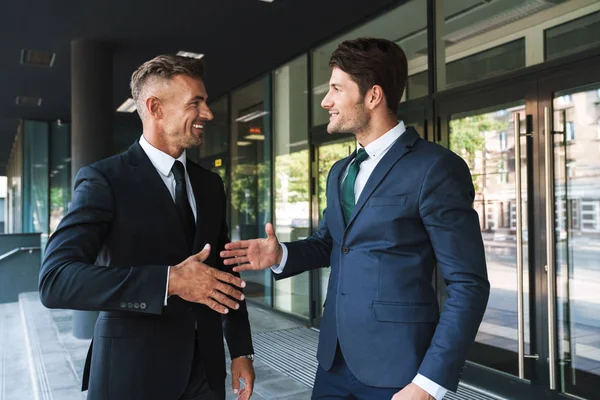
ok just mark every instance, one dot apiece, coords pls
pixel 486 38
pixel 409 33
pixel 35 177
pixel 60 173
pixel 486 63
pixel 214 149
pixel 572 37
pixel 251 174
pixel 291 175
pixel 503 140
pixel 570 130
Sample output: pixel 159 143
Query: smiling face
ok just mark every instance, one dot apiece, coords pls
pixel 184 111
pixel 347 111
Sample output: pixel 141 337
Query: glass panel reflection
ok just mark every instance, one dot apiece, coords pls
pixel 577 231
pixel 485 139
pixel 328 155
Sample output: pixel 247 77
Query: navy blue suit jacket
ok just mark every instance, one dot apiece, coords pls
pixel 414 213
pixel 110 253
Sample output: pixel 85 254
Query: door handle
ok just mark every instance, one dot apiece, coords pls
pixel 550 253
pixel 519 237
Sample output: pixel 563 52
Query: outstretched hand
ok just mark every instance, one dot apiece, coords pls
pixel 254 254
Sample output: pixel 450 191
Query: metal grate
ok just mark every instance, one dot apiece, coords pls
pixel 294 352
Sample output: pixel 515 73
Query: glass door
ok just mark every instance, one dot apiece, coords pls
pixel 325 155
pixel 493 132
pixel 570 109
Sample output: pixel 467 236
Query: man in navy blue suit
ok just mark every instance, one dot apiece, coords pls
pixel 396 208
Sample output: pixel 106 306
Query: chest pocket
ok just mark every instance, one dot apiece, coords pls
pixel 387 201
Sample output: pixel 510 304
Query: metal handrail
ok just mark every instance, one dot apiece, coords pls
pixel 18 250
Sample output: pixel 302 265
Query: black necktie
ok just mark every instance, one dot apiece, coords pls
pixel 181 200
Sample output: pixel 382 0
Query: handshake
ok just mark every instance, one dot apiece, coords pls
pixel 194 281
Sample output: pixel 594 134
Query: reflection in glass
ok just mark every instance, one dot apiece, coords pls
pixel 291 176
pixel 35 177
pixel 213 150
pixel 250 175
pixel 485 139
pixel 60 173
pixel 573 36
pixel 577 231
pixel 486 38
pixel 328 155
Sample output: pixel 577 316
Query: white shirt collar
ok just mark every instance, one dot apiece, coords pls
pixel 161 160
pixel 379 145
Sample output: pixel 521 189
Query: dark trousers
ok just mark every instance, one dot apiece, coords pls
pixel 340 383
pixel 197 388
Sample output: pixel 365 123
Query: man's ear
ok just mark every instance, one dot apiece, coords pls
pixel 154 107
pixel 374 97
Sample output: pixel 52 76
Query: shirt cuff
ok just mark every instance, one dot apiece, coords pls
pixel 167 290
pixel 435 390
pixel 278 268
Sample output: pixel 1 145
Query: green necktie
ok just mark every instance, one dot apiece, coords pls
pixel 348 200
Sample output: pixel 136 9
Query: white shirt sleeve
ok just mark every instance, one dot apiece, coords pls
pixel 435 390
pixel 167 290
pixel 278 268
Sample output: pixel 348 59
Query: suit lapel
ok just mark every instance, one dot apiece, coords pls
pixel 402 146
pixel 149 177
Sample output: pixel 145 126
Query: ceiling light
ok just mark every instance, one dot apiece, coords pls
pixel 267 1
pixel 243 143
pixel 251 116
pixel 29 101
pixel 37 58
pixel 190 54
pixel 255 137
pixel 128 106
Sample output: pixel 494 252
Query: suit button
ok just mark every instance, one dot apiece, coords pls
pixel 129 305
pixel 123 305
pixel 345 250
pixel 143 306
pixel 136 305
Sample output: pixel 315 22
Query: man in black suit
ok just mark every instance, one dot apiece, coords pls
pixel 136 245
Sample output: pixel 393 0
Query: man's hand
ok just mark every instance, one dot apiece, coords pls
pixel 242 368
pixel 194 281
pixel 412 392
pixel 255 254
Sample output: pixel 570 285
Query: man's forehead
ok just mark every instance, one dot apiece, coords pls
pixel 193 85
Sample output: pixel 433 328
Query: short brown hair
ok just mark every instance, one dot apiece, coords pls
pixel 371 61
pixel 165 67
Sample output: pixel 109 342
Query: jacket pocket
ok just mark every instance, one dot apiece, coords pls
pixel 387 201
pixel 405 312
pixel 124 327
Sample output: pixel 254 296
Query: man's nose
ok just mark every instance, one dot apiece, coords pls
pixel 206 113
pixel 326 103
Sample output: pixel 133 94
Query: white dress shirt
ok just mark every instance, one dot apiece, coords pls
pixel 163 164
pixel 376 150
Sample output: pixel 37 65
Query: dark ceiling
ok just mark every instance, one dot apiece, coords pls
pixel 240 38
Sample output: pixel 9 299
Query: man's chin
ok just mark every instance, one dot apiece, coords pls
pixel 332 129
pixel 193 142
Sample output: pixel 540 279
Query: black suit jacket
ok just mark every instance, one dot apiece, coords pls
pixel 111 253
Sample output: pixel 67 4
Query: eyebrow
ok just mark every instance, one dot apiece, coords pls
pixel 335 84
pixel 199 98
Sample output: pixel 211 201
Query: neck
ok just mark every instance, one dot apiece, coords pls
pixel 159 141
pixel 376 129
